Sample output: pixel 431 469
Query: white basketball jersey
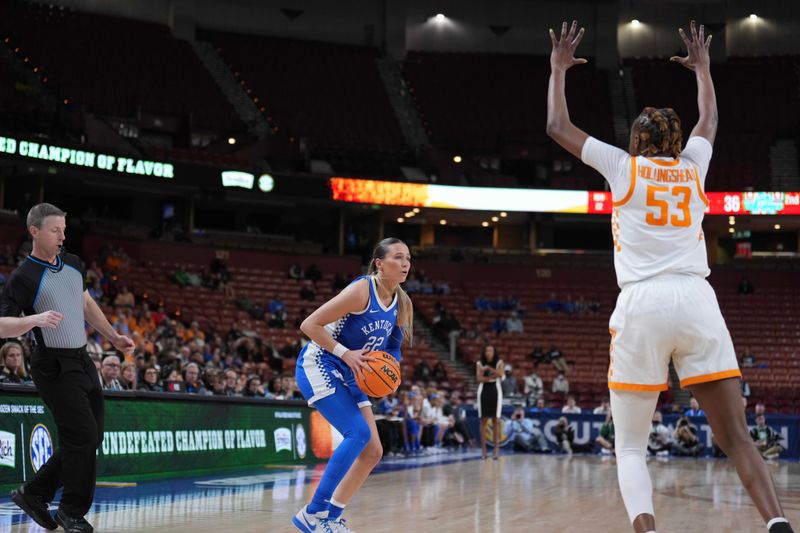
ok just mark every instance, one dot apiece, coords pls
pixel 659 205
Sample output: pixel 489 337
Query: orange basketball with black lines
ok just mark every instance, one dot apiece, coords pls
pixel 384 378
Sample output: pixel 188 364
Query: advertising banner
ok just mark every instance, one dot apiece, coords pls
pixel 159 437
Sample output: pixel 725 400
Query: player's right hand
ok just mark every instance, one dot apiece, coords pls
pixel 357 361
pixel 48 319
pixel 697 47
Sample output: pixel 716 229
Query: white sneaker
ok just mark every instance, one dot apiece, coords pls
pixel 307 522
pixel 335 526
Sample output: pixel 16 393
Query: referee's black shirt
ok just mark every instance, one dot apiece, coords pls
pixel 37 286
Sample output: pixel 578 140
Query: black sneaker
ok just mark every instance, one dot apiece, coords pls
pixel 73 525
pixel 781 527
pixel 35 507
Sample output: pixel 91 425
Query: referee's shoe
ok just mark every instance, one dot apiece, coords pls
pixel 35 507
pixel 73 525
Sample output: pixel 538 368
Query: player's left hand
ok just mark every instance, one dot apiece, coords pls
pixel 123 344
pixel 563 55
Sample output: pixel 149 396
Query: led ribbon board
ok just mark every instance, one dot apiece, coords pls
pixel 85 159
pixel 539 200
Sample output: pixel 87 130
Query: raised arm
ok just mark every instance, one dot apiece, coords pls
pixel 698 60
pixel 559 125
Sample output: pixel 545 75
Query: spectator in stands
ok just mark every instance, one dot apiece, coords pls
pixel 746 392
pixel 498 326
pixel 571 408
pixel 456 409
pixel 560 384
pixel 760 409
pixel 12 364
pixel 745 286
pixel 509 383
pixel 422 372
pixel 527 437
pixel 313 273
pixel 128 377
pixel 109 371
pixel 451 328
pixel 553 305
pixel 218 385
pixel 540 406
pixel 568 306
pixel 96 292
pixel 606 438
pixel 694 408
pixel 295 271
pixel 439 372
pixel 686 442
pixel 441 287
pixel 538 355
pixel 253 388
pixel 660 439
pixel 307 292
pixel 603 408
pixel 289 390
pixel 748 359
pixel 278 319
pixel 2 280
pixel 124 298
pixel 557 359
pixel 150 380
pixel 564 434
pixel 231 382
pixel 191 377
pixel 514 324
pixel 533 387
pixel 767 440
pixel 276 304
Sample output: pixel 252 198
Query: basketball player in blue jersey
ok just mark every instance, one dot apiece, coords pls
pixel 372 313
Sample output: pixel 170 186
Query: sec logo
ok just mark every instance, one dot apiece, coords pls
pixel 41 446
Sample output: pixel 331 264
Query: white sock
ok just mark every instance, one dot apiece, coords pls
pixel 777 520
pixel 633 413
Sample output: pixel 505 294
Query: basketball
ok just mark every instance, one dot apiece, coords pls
pixel 384 378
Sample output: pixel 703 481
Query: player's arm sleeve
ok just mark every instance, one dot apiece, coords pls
pixel 611 162
pixel 394 343
pixel 698 151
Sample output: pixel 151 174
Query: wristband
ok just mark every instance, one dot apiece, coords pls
pixel 339 350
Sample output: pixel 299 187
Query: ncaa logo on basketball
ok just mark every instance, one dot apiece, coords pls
pixel 8 448
pixel 390 373
pixel 41 446
pixel 300 441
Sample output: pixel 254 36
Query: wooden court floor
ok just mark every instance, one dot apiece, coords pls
pixel 518 493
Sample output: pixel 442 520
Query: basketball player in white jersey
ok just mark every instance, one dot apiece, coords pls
pixel 666 310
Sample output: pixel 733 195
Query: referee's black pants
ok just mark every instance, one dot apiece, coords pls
pixel 68 382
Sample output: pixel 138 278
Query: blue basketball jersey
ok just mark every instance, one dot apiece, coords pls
pixel 318 370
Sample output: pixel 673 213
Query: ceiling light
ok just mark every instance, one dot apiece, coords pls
pixel 400 220
pixel 777 226
pixel 731 230
pixel 443 222
pixel 753 16
pixel 503 214
pixel 416 210
pixel 635 22
pixel 456 159
pixel 495 219
pixel 231 140
pixel 485 224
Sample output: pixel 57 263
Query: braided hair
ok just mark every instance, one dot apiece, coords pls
pixel 658 132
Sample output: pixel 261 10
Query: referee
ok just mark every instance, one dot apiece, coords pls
pixel 61 368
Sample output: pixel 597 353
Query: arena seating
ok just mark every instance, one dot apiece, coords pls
pixel 496 104
pixel 766 323
pixel 114 66
pixel 212 310
pixel 330 94
pixel 758 99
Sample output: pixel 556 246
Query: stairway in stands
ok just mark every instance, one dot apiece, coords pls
pixel 463 369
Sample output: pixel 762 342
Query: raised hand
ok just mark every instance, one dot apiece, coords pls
pixel 697 46
pixel 563 54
